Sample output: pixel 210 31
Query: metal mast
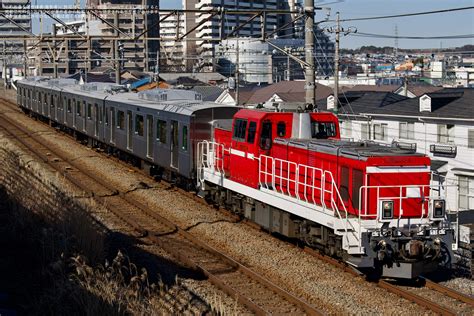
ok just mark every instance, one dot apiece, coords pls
pixel 309 55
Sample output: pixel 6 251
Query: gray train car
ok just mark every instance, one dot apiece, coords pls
pixel 160 127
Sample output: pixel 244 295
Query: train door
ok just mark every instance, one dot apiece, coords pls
pixel 104 120
pixel 149 136
pixel 113 125
pixel 85 113
pixel 74 113
pixel 174 144
pixel 129 130
pixel 96 120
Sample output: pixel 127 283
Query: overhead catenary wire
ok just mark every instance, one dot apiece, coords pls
pixel 405 14
pixel 447 37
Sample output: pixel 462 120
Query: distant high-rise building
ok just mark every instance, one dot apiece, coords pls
pixel 140 54
pixel 18 24
pixel 201 55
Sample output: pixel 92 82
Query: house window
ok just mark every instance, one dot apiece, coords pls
pixel 252 132
pixel 281 129
pixel 120 119
pixel 407 130
pixel 446 134
pixel 161 131
pixel 139 125
pixel 240 128
pixel 347 129
pixel 381 132
pixel 466 192
pixel 184 143
pixel 364 131
pixel 470 138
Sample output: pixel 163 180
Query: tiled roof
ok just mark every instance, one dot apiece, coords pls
pixel 447 103
pixel 289 91
pixel 209 93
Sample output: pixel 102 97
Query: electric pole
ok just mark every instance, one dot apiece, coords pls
pixel 309 55
pixel 338 30
pixel 237 74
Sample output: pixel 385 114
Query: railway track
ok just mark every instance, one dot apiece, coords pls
pixel 441 299
pixel 254 291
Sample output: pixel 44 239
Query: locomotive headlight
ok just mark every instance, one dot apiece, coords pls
pixel 439 208
pixel 387 209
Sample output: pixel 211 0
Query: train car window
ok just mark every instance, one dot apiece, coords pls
pixel 106 116
pixel 323 130
pixel 139 125
pixel 69 107
pixel 78 108
pixel 281 129
pixel 240 127
pixel 45 99
pixel 89 111
pixel 51 100
pixel 252 132
pixel 344 183
pixel 184 143
pixel 120 119
pixel 161 131
pixel 29 94
pixel 357 181
pixel 266 136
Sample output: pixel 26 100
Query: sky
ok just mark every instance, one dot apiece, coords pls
pixel 443 24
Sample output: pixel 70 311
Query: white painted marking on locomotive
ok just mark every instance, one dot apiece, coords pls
pixel 397 170
pixel 250 156
pixel 237 152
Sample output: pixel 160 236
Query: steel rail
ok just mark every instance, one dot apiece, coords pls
pixel 448 291
pixel 419 300
pixel 213 276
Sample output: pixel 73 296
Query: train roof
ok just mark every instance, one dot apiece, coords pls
pixel 183 102
pixel 361 150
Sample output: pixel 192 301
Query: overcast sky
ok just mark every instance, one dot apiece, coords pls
pixel 443 24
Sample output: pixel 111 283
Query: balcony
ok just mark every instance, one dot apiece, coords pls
pixel 405 146
pixel 448 151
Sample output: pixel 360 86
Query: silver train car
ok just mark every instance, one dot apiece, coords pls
pixel 158 128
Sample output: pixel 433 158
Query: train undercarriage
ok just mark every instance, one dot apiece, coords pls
pixel 404 254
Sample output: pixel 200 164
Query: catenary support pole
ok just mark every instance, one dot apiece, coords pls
pixel 309 53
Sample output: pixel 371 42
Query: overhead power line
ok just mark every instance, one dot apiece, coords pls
pixel 362 34
pixel 405 14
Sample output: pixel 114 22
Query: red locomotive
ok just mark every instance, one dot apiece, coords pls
pixel 373 205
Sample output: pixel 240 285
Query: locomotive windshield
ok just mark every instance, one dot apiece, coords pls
pixel 323 130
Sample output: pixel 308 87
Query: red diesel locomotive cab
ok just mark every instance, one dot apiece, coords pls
pixel 308 158
pixel 254 132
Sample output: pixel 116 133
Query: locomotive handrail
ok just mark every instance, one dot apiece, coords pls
pixel 364 190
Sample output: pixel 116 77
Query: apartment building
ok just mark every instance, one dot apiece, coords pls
pixel 172 57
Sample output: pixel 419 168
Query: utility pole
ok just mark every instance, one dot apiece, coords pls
pixel 309 55
pixel 237 74
pixel 116 49
pixel 55 53
pixel 336 65
pixel 337 30
pixel 25 60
